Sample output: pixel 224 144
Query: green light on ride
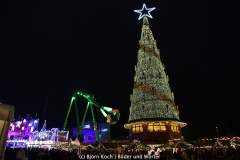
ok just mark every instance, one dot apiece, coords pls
pixel 79 93
pixel 107 109
pixel 104 113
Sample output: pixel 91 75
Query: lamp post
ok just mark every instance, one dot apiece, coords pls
pixel 217 132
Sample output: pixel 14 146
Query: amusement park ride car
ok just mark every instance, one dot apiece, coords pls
pixel 112 115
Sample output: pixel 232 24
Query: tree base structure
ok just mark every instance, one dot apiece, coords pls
pixel 155 130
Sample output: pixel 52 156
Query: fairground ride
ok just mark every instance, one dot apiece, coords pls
pixel 112 115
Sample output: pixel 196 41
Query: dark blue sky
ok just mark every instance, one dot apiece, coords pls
pixel 92 46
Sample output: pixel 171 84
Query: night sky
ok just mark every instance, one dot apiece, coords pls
pixel 56 47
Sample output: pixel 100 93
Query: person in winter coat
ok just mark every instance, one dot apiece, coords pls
pixel 21 155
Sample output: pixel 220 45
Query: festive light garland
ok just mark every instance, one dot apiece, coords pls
pixel 157 94
pixel 151 97
pixel 150 50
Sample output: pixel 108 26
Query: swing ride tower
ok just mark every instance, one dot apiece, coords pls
pixel 112 115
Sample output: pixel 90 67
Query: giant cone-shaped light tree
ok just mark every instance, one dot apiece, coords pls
pixel 153 113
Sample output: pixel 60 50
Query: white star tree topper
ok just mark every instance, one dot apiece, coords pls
pixel 143 15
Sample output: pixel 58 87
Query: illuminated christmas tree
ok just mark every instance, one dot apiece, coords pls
pixel 152 102
pixel 152 97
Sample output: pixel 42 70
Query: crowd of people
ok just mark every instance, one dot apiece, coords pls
pixel 40 154
pixel 229 153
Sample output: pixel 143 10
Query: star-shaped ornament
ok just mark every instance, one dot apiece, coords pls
pixel 142 10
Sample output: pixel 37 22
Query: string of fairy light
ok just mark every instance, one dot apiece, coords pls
pixel 151 97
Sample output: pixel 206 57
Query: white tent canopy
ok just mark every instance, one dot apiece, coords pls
pixel 6 117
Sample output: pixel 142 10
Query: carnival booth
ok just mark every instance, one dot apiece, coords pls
pixel 23 133
pixel 223 142
pixel 176 144
pixel 136 145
